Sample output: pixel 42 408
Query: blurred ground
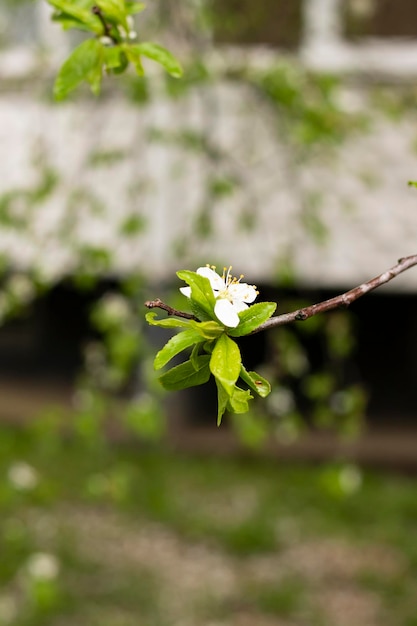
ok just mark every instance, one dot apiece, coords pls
pixel 308 582
pixel 102 535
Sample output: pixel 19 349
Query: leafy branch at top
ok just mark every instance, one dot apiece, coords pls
pixel 113 47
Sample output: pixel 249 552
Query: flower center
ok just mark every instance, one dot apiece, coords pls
pixel 228 280
pixel 225 294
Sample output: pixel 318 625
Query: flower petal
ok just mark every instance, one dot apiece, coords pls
pixel 226 312
pixel 242 292
pixel 216 281
pixel 186 291
pixel 239 306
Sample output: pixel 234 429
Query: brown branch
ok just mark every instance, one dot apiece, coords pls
pixel 158 304
pixel 344 300
pixel 96 10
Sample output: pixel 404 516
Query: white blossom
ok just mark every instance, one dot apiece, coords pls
pixel 232 296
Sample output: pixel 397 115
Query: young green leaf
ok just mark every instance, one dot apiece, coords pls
pixel 81 12
pixel 256 382
pixel 222 400
pixel 175 345
pixel 202 297
pixel 115 11
pixel 198 311
pixel 187 374
pixel 208 330
pixel 253 317
pixel 195 353
pixel 85 63
pixel 208 346
pixel 135 58
pixel 112 57
pixel 225 362
pixel 133 7
pixel 161 55
pixel 169 322
pixel 124 62
pixel 67 21
pixel 239 401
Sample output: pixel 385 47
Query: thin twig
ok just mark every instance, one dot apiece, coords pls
pixel 344 300
pixel 158 304
pixel 96 10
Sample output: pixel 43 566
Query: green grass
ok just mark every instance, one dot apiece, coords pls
pixel 284 598
pixel 143 536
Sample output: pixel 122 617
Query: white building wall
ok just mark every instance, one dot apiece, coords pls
pixel 366 205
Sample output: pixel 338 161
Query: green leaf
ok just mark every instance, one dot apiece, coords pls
pixel 175 345
pixel 256 382
pixel 135 58
pixel 208 330
pixel 85 63
pixel 114 11
pixel 134 7
pixel 187 374
pixel 195 353
pixel 123 64
pixel 253 317
pixel 208 346
pixel 412 183
pixel 202 296
pixel 225 362
pixel 169 322
pixel 68 22
pixel 198 311
pixel 239 400
pixel 161 55
pixel 112 57
pixel 81 12
pixel 222 400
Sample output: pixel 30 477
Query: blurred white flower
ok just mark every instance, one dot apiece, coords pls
pixel 115 307
pixel 21 288
pixel 106 41
pixel 82 400
pixel 363 9
pixel 23 476
pixel 281 401
pixel 42 566
pixel 350 479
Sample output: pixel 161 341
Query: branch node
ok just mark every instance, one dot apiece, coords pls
pixel 301 316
